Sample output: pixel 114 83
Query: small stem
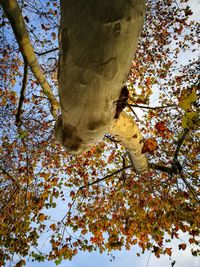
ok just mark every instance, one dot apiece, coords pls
pixel 22 93
pixel 154 108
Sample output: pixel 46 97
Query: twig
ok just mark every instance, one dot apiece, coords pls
pixel 190 188
pixel 46 52
pixel 130 106
pixel 154 108
pixel 112 139
pixel 22 93
pixel 105 177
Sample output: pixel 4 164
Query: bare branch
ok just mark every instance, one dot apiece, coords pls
pixel 47 52
pixel 14 15
pixel 154 108
pixel 111 139
pixel 133 112
pixel 161 168
pixel 105 177
pixel 22 93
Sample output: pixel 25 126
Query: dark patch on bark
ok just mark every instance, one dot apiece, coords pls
pixel 122 101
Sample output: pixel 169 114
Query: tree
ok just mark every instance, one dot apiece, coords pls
pixel 35 170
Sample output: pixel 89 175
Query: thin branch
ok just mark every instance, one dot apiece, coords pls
pixel 161 168
pixel 22 93
pixel 14 15
pixel 190 188
pixel 154 108
pixel 105 177
pixel 47 52
pixel 173 170
pixel 130 107
pixel 179 143
pixel 112 139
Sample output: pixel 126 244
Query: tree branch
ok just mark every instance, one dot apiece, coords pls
pixel 125 129
pixel 105 177
pixel 161 168
pixel 190 188
pixel 154 108
pixel 179 143
pixel 22 93
pixel 14 15
pixel 47 52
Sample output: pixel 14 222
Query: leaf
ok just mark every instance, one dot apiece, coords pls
pixel 53 226
pixel 20 263
pixel 41 217
pixel 187 98
pixel 160 126
pixel 150 145
pixel 190 120
pixel 182 246
pixel 72 194
pixel 163 130
pixel 23 134
pixel 53 35
pixel 168 251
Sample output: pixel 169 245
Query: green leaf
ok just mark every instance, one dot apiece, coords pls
pixel 190 120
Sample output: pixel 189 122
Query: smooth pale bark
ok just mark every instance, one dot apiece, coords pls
pixel 14 15
pixel 126 130
pixel 97 43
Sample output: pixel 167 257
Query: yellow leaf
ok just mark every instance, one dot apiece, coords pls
pixel 187 98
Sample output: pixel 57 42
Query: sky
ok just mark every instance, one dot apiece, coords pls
pixel 127 258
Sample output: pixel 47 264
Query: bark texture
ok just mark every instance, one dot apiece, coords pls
pixel 126 130
pixel 97 43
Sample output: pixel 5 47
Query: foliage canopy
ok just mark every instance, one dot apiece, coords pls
pixel 108 205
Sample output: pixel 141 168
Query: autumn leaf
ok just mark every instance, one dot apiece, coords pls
pixel 53 35
pixel 72 194
pixel 168 251
pixel 187 98
pixel 41 217
pixel 191 120
pixel 53 226
pixel 182 246
pixel 150 145
pixel 20 263
pixel 161 127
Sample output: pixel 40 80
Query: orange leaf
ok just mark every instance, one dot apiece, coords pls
pixel 182 246
pixel 41 217
pixel 150 145
pixel 168 251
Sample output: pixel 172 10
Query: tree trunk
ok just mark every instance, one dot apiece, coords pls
pixel 97 42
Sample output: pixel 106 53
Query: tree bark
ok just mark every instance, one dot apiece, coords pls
pixel 97 43
pixel 126 130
